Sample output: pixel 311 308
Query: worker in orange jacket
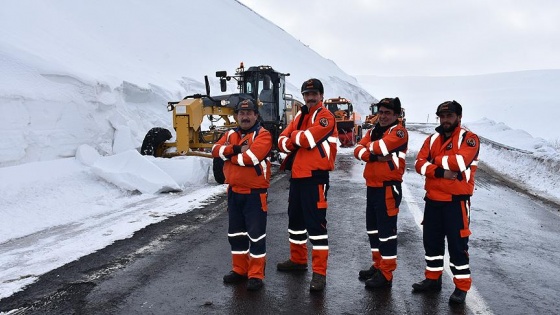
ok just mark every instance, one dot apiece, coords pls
pixel 247 171
pixel 449 160
pixel 383 148
pixel 310 141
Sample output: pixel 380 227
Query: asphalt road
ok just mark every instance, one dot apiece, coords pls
pixel 176 266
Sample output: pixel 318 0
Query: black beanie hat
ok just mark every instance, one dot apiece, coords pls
pixel 450 106
pixel 391 103
pixel 312 85
pixel 246 104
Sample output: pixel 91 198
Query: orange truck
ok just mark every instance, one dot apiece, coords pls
pixel 348 122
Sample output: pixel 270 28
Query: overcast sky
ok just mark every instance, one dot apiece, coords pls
pixel 425 37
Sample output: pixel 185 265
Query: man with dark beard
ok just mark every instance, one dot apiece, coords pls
pixel 449 160
pixel 383 148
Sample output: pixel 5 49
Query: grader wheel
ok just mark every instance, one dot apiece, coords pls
pixel 153 140
pixel 218 169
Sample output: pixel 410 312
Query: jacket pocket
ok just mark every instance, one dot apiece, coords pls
pixel 322 203
pixel 392 200
pixel 264 202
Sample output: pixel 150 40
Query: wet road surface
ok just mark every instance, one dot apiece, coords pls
pixel 176 266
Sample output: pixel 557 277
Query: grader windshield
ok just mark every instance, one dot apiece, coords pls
pixel 267 86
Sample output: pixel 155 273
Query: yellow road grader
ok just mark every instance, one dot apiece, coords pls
pixel 260 83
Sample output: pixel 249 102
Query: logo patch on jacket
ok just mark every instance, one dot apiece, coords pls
pixel 324 122
pixel 400 133
pixel 449 146
pixel 471 142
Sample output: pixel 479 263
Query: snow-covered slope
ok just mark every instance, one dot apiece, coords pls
pixel 115 64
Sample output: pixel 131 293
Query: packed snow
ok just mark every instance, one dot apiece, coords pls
pixel 74 110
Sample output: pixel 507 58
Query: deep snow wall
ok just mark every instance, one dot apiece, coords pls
pixel 101 73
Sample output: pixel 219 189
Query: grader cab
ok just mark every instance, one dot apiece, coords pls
pixel 348 122
pixel 260 83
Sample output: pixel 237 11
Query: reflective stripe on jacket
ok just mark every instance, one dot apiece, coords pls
pixel 458 153
pixel 394 142
pixel 314 143
pixel 250 169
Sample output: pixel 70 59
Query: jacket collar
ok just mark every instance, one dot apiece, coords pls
pixel 316 107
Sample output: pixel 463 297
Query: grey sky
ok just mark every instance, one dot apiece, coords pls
pixel 423 37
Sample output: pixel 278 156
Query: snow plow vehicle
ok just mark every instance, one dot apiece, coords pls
pixel 261 83
pixel 373 117
pixel 348 122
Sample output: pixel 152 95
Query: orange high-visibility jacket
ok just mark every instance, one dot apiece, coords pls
pixel 250 169
pixel 458 153
pixel 394 142
pixel 313 139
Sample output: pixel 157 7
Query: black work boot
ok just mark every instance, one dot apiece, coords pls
pixel 458 296
pixel 289 265
pixel 368 273
pixel 234 277
pixel 254 284
pixel 318 282
pixel 427 285
pixel 378 281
